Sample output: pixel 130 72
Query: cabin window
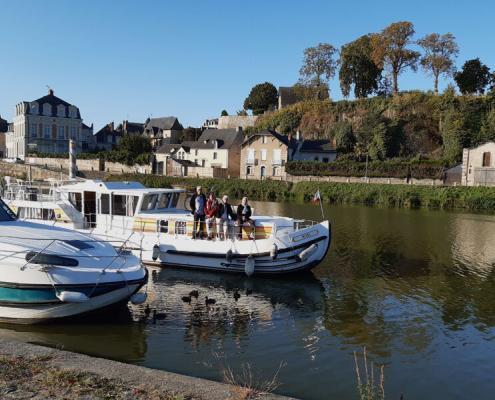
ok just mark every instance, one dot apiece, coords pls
pixel 118 205
pixel 174 200
pixel 34 257
pixel 164 200
pixel 105 204
pixel 131 205
pixel 45 214
pixel 163 226
pixel 149 202
pixel 6 214
pixel 486 159
pixel 76 200
pixel 180 227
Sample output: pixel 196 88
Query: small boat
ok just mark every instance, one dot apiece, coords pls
pixel 48 273
pixel 162 231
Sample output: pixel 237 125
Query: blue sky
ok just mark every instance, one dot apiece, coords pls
pixel 123 59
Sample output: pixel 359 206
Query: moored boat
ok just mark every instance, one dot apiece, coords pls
pixel 160 227
pixel 49 273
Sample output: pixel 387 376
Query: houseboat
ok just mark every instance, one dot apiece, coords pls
pixel 159 227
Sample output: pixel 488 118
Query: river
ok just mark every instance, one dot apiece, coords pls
pixel 415 287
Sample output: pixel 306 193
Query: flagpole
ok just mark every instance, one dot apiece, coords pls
pixel 321 205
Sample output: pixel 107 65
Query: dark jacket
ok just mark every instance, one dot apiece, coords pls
pixel 230 213
pixel 192 202
pixel 240 207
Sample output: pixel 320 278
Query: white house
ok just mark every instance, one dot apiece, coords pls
pixel 478 165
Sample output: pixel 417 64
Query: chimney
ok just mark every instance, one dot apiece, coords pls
pixel 50 91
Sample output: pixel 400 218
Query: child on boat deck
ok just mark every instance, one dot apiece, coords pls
pixel 211 210
pixel 244 217
pixel 225 217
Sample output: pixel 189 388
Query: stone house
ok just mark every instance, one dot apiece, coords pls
pixel 107 137
pixel 478 165
pixel 4 127
pixel 265 154
pixel 162 130
pixel 216 153
pixel 45 125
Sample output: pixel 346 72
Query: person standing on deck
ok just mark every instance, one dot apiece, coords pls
pixel 225 218
pixel 211 210
pixel 244 213
pixel 197 205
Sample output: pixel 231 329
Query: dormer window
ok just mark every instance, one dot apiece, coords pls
pixel 72 112
pixel 34 108
pixel 47 109
pixel 61 111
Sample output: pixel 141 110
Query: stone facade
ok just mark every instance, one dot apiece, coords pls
pixel 236 121
pixel 478 165
pixel 46 125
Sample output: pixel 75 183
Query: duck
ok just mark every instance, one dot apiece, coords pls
pixel 158 316
pixel 237 295
pixel 209 301
pixel 186 299
pixel 194 293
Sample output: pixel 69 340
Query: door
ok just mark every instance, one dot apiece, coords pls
pixel 262 172
pixel 90 209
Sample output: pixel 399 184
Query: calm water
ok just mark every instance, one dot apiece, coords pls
pixel 417 288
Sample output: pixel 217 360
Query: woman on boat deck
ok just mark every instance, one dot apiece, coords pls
pixel 244 218
pixel 211 210
pixel 225 218
pixel 198 204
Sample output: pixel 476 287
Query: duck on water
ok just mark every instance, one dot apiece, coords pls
pixel 162 228
pixel 49 273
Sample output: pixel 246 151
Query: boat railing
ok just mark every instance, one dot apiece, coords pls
pixel 300 224
pixel 31 192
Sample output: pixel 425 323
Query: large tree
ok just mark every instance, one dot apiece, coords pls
pixel 263 97
pixel 391 50
pixel 439 53
pixel 319 67
pixel 473 78
pixel 358 68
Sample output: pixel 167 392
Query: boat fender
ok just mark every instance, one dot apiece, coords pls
pixel 249 265
pixel 138 298
pixel 156 252
pixel 274 251
pixel 228 256
pixel 306 253
pixel 72 297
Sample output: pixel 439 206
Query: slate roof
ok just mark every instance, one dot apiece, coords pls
pixel 317 146
pixel 187 163
pixel 167 148
pixel 164 123
pixel 54 101
pixel 282 138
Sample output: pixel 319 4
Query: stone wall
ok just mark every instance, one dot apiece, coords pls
pixel 22 171
pixel 355 179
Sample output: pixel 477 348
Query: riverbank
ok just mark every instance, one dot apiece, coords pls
pixel 38 372
pixel 409 196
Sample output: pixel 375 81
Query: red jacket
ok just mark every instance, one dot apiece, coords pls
pixel 211 208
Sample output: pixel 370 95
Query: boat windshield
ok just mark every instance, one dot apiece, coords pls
pixel 6 214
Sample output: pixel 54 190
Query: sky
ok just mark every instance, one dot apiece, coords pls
pixel 131 60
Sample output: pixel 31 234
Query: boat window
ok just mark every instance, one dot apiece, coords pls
pixel 118 204
pixel 164 200
pixel 45 214
pixel 76 200
pixel 163 226
pixel 149 202
pixel 34 257
pixel 79 244
pixel 132 202
pixel 105 204
pixel 180 227
pixel 174 200
pixel 6 214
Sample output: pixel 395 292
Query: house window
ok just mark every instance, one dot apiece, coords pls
pixel 325 159
pixel 33 130
pixel 72 112
pixel 203 163
pixel 61 132
pixel 73 132
pixel 196 152
pixel 277 156
pixel 250 156
pixel 47 109
pixel 317 159
pixel 46 131
pixel 262 172
pixel 275 171
pixel 214 155
pixel 263 154
pixel 486 159
pixel 249 170
pixel 34 108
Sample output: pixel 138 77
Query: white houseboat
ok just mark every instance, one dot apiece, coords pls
pixel 159 226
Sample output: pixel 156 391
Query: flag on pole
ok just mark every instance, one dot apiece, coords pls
pixel 317 197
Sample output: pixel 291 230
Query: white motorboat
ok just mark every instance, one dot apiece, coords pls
pixel 48 272
pixel 161 230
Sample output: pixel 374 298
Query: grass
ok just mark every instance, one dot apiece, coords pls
pixel 26 377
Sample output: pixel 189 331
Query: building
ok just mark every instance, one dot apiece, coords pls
pixel 107 137
pixel 131 128
pixel 265 154
pixel 478 165
pixel 163 130
pixel 230 122
pixel 211 123
pixel 4 127
pixel 216 153
pixel 44 125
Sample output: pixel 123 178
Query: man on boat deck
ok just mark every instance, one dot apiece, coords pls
pixel 211 210
pixel 244 217
pixel 225 217
pixel 198 204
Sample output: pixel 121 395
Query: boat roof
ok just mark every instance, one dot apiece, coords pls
pixel 122 187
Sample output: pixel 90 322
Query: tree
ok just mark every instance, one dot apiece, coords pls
pixel 224 113
pixel 263 97
pixel 357 68
pixel 344 137
pixel 318 67
pixel 452 136
pixel 473 78
pixel 289 121
pixel 379 137
pixel 488 126
pixel 130 150
pixel 390 50
pixel 439 53
pixel 242 113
